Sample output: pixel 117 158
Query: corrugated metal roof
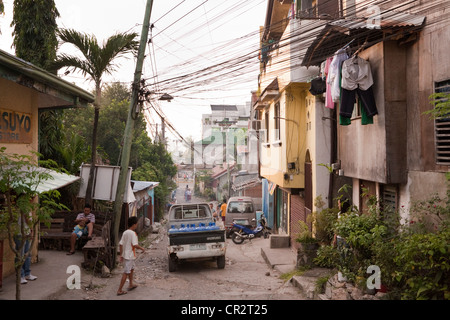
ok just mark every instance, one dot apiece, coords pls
pixel 222 107
pixel 57 180
pixel 142 185
pixel 245 181
pixel 335 35
pixel 389 19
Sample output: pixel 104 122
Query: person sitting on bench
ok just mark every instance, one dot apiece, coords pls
pixel 89 219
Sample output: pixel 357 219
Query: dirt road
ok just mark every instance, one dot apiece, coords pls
pixel 246 277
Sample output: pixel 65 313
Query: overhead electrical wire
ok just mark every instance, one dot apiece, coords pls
pixel 181 18
pixel 226 64
pixel 234 69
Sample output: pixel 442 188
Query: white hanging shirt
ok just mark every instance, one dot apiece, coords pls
pixel 356 72
pixel 334 74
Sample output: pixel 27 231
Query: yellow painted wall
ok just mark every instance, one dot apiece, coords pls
pixel 14 97
pixel 275 157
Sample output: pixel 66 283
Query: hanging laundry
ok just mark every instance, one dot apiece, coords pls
pixel 357 79
pixel 318 86
pixel 365 119
pixel 334 74
pixel 329 103
pixel 356 73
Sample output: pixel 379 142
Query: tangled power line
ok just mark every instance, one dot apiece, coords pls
pixel 235 63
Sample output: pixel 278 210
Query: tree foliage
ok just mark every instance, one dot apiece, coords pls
pixel 20 212
pixel 413 257
pixel 34 23
pixel 35 41
pixel 97 61
pixel 150 161
pixel 441 103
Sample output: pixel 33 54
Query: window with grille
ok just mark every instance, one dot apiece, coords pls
pixel 442 128
pixel 277 121
pixel 266 126
pixel 390 197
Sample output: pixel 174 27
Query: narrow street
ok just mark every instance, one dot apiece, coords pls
pixel 246 276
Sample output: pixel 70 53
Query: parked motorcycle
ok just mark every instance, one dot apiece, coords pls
pixel 239 232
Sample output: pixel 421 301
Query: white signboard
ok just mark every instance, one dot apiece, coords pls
pixel 105 183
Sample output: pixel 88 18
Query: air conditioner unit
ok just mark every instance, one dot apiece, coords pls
pixel 254 125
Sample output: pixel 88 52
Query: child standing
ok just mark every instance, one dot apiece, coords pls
pixel 128 245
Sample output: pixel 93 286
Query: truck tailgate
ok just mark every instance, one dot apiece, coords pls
pixel 182 238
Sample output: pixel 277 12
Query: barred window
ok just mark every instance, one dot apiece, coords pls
pixel 390 197
pixel 442 128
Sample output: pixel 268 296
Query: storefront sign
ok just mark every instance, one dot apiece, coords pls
pixel 15 127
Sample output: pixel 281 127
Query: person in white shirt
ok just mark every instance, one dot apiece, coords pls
pixel 128 245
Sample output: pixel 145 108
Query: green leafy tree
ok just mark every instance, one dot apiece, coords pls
pixel 157 166
pixel 34 23
pixel 441 103
pixel 20 212
pixel 97 61
pixel 35 41
pixel 150 161
pixel 73 152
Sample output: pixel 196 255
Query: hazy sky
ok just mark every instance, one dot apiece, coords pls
pixel 188 37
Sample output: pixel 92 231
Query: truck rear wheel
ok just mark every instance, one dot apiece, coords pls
pixel 172 264
pixel 221 262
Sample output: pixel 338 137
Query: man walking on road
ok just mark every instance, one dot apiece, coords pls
pixel 223 209
pixel 128 245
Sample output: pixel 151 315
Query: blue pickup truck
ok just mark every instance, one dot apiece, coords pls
pixel 193 235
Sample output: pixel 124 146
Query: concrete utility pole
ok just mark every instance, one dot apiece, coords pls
pixel 128 134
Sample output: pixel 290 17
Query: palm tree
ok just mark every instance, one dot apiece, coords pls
pixel 97 60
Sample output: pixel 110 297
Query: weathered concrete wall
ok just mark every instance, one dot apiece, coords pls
pixel 427 62
pixel 362 149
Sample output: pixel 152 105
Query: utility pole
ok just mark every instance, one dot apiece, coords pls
pixel 163 132
pixel 128 134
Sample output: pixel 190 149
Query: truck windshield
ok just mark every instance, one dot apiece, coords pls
pixel 240 207
pixel 189 212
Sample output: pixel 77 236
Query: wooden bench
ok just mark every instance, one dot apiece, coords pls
pixel 54 236
pixel 57 235
pixel 99 249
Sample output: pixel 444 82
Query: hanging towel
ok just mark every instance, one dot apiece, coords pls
pixel 329 103
pixel 335 74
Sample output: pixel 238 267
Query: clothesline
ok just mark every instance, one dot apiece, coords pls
pixel 344 79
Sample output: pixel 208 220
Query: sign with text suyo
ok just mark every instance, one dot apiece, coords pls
pixel 15 127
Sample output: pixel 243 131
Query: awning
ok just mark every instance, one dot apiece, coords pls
pixel 57 180
pixel 45 179
pixel 142 185
pixel 245 181
pixel 335 35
